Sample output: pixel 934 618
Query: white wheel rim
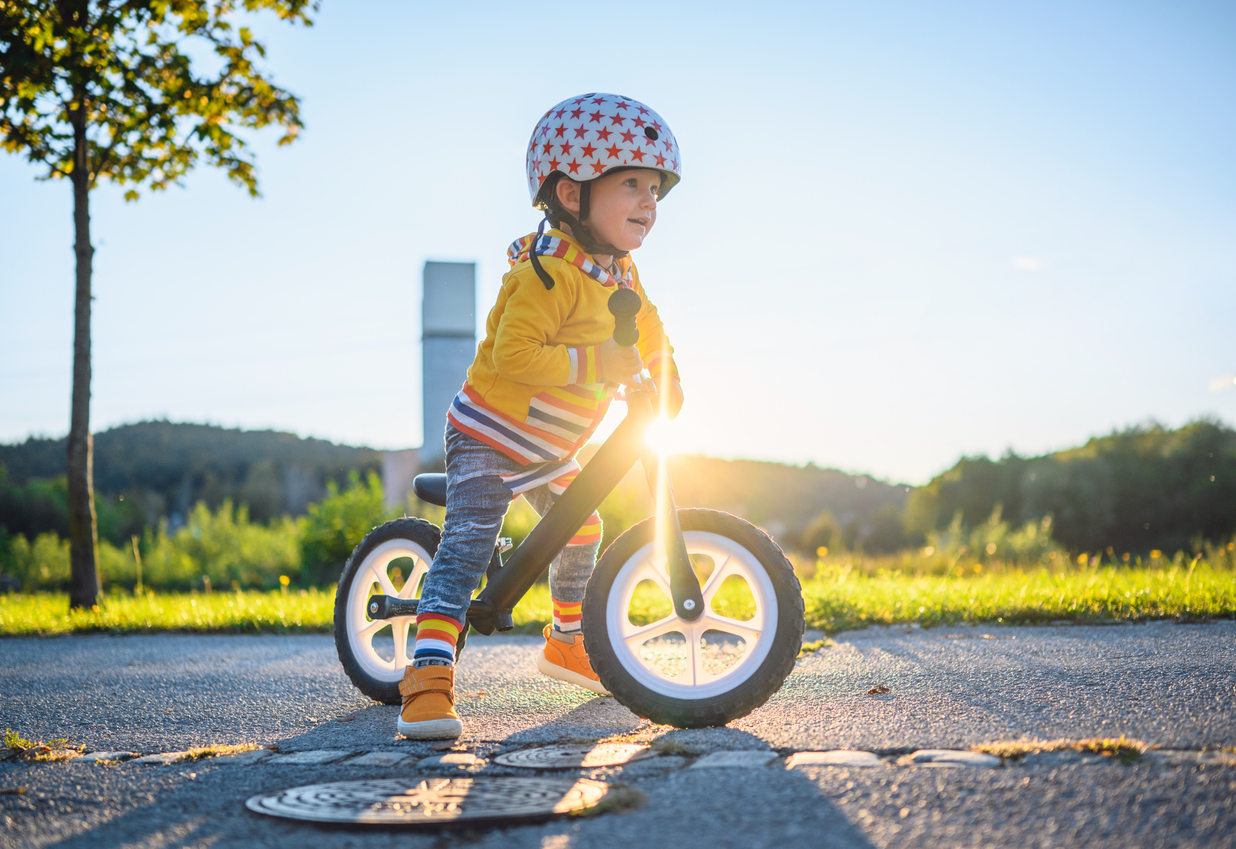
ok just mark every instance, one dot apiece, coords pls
pixel 362 630
pixel 758 633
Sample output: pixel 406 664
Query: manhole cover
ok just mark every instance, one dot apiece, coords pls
pixel 433 801
pixel 583 756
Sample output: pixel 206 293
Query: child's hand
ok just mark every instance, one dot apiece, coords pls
pixel 618 363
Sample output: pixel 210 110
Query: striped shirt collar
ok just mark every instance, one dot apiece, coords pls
pixel 555 243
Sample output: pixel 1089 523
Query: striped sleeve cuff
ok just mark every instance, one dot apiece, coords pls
pixel 661 364
pixel 585 364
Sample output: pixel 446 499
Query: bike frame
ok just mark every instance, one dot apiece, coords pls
pixel 491 610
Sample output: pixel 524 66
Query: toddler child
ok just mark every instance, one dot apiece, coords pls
pixel 542 380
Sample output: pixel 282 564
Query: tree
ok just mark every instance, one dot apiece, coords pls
pixel 96 91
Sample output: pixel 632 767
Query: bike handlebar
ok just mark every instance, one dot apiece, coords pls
pixel 624 304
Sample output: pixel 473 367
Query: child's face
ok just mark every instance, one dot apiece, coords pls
pixel 624 207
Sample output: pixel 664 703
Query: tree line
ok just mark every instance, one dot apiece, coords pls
pixel 1135 490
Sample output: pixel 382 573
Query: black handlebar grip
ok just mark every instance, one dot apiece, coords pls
pixel 624 304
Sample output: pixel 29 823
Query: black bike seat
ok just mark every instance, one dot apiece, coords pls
pixel 431 488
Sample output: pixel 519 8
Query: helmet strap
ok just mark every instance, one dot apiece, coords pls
pixel 536 262
pixel 581 231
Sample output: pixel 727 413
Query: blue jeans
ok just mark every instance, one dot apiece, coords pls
pixel 476 503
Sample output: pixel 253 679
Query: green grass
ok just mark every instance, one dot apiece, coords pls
pixel 841 599
pixel 837 598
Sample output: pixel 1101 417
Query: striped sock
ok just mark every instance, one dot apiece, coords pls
pixel 567 616
pixel 436 636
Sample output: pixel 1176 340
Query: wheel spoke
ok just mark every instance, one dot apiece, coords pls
pixel 717 578
pixel 668 625
pixel 366 634
pixel 409 586
pixel 695 661
pixel 650 572
pixel 726 625
pixel 400 627
pixel 384 580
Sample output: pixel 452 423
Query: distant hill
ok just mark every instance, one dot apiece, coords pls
pixel 782 499
pixel 152 470
pixel 161 469
pixel 1134 490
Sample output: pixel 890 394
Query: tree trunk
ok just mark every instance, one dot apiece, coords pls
pixel 83 530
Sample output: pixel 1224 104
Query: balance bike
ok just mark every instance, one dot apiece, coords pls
pixel 695 628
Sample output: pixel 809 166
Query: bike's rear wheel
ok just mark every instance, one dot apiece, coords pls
pixel 393 560
pixel 715 668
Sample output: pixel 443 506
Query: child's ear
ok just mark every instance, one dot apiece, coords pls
pixel 568 194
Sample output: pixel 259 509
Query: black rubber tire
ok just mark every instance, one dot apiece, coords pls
pixel 418 531
pixel 747 695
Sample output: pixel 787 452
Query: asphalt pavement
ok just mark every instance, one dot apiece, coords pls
pixel 1169 685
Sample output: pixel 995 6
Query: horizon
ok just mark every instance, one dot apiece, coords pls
pixel 904 235
pixel 802 465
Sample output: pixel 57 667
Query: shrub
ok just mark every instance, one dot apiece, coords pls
pixel 223 546
pixel 336 524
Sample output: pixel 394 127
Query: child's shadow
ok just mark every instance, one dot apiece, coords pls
pixel 598 717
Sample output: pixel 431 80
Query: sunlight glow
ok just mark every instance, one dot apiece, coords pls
pixel 662 437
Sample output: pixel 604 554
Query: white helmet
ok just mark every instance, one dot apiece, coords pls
pixel 588 136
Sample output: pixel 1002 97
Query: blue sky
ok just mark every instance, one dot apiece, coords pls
pixel 905 232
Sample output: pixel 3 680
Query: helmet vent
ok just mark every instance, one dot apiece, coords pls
pixel 651 133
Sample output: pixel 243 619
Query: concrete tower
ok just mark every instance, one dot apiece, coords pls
pixel 448 345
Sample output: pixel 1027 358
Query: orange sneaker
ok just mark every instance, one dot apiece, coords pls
pixel 429 704
pixel 568 662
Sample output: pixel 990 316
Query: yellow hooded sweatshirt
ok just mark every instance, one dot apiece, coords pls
pixel 533 391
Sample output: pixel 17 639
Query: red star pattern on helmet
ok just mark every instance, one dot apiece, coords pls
pixel 643 110
pixel 674 164
pixel 660 159
pixel 553 164
pixel 579 100
pixel 587 150
pixel 576 112
pixel 638 121
pixel 628 137
pixel 616 120
pixel 637 154
pixel 597 167
pixel 603 135
pixel 560 130
pixel 595 117
pixel 546 147
pixel 558 113
pixel 656 125
pixel 598 100
pixel 574 166
pixel 620 105
pixel 566 149
pixel 544 130
pixel 580 132
pixel 613 151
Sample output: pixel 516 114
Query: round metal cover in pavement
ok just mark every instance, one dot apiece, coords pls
pixel 432 801
pixel 582 756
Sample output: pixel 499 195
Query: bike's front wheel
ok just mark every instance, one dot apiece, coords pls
pixel 706 671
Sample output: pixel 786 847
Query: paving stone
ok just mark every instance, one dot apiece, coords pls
pixel 837 757
pixel 101 757
pixel 953 757
pixel 652 766
pixel 379 759
pixel 250 757
pixel 451 761
pixel 162 758
pixel 726 760
pixel 1170 757
pixel 316 756
pixel 1065 758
